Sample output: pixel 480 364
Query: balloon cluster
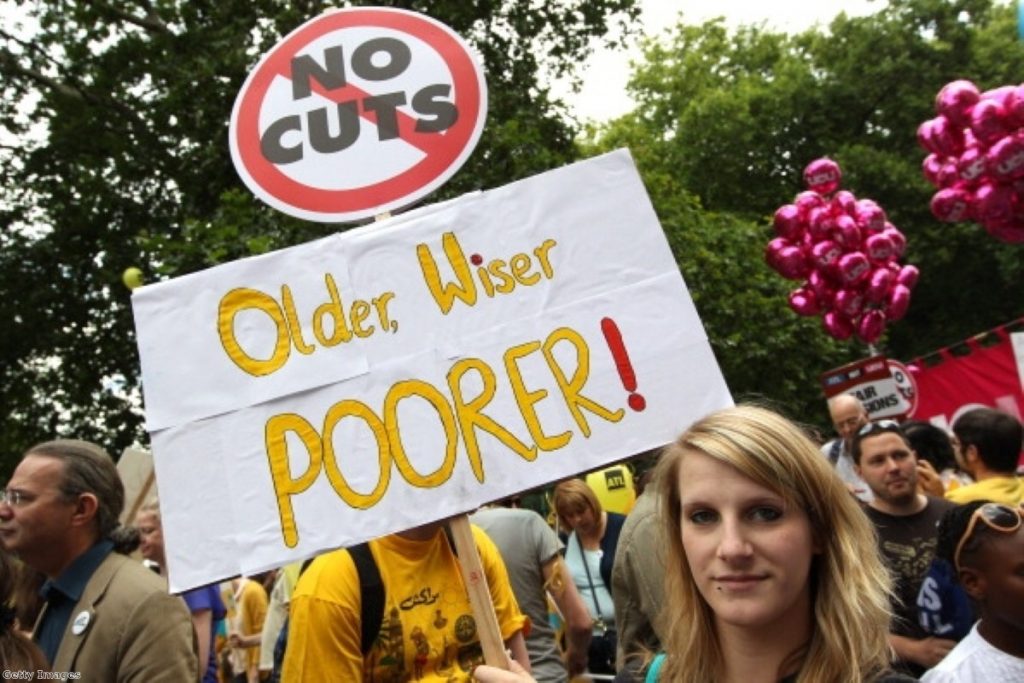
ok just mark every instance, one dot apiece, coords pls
pixel 848 254
pixel 976 159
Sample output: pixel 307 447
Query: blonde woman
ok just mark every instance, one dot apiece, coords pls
pixel 778 577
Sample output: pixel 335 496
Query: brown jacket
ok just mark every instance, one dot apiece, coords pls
pixel 136 632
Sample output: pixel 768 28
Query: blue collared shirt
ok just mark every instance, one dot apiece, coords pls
pixel 63 593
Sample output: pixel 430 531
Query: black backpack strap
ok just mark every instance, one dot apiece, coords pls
pixel 371 588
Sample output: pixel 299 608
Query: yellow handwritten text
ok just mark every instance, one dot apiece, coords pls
pixel 332 324
pixel 460 416
pixel 496 276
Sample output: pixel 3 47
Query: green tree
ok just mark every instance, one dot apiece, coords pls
pixel 113 153
pixel 726 120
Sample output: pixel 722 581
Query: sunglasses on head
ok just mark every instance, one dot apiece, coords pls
pixel 880 426
pixel 1002 518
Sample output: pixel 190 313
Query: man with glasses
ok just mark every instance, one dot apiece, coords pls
pixel 906 524
pixel 105 617
pixel 848 415
pixel 984 542
pixel 987 446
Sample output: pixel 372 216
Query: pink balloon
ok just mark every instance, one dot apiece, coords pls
pixel 822 176
pixel 837 325
pixel 955 100
pixel 849 302
pixel 871 326
pixel 988 121
pixel 1013 103
pixel 844 202
pixel 1011 231
pixel 879 249
pixel 787 222
pixel 792 264
pixel 926 138
pixel 951 204
pixel 869 215
pixel 993 203
pixel 1006 159
pixel 807 200
pixel 846 233
pixel 899 301
pixel 947 138
pixel 854 268
pixel 804 302
pixel 899 241
pixel 998 94
pixel 822 286
pixel 949 175
pixel 931 166
pixel 972 165
pixel 908 276
pixel 820 223
pixel 878 285
pixel 826 254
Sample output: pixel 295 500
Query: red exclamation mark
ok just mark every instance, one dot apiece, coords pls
pixel 613 337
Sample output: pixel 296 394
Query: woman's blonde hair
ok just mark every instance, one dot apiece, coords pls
pixel 850 586
pixel 574 494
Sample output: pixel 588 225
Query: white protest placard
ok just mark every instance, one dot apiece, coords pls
pixel 505 340
pixel 356 112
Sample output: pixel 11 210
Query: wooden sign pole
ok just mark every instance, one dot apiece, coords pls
pixel 479 594
pixel 473 576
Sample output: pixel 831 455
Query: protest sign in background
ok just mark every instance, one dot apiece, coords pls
pixel 876 382
pixel 985 370
pixel 409 371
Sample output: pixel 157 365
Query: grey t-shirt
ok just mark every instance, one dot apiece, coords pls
pixel 526 544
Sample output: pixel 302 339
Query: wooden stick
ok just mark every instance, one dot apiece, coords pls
pixel 479 594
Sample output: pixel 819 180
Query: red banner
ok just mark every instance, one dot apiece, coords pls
pixel 984 370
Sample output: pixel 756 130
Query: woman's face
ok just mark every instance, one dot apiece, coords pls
pixel 151 543
pixel 749 552
pixel 581 519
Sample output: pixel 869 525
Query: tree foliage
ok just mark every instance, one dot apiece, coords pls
pixel 724 123
pixel 113 153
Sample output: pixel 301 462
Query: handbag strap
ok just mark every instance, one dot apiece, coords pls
pixel 586 568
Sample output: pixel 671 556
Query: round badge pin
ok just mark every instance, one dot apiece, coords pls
pixel 80 623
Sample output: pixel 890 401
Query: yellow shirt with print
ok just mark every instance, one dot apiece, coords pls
pixel 427 633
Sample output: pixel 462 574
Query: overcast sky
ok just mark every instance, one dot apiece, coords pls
pixel 603 95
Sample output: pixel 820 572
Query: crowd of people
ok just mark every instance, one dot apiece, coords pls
pixel 894 552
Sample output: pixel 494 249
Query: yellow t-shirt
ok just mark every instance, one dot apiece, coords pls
pixel 252 610
pixel 428 633
pixel 1006 490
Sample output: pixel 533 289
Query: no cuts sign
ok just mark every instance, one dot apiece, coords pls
pixel 357 112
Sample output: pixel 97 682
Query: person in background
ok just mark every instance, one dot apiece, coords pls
pixel 277 616
pixel 905 521
pixel 848 415
pixel 773 570
pixel 17 651
pixel 988 444
pixel 532 555
pixel 590 555
pixel 984 542
pixel 204 603
pixel 105 615
pixel 427 629
pixel 638 579
pixel 245 636
pixel 938 471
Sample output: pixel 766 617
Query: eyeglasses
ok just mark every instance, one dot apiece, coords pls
pixel 15 497
pixel 880 426
pixel 1002 518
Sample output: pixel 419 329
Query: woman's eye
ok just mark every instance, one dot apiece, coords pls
pixel 702 517
pixel 765 514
